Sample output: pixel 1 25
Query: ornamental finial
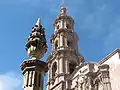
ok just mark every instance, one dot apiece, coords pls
pixel 36 45
pixel 38 22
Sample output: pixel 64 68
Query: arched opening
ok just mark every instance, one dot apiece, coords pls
pixel 58 26
pixel 39 82
pixel 35 80
pixel 54 69
pixel 69 44
pixel 67 26
pixel 56 45
pixel 71 67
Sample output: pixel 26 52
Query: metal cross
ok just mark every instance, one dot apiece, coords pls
pixel 62 3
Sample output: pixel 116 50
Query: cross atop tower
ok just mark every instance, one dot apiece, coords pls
pixel 62 3
pixel 63 9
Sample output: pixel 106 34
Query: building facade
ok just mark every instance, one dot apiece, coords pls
pixel 66 67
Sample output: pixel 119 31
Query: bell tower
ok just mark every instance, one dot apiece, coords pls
pixel 65 56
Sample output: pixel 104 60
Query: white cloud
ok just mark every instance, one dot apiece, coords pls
pixel 10 81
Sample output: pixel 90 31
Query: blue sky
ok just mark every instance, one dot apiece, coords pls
pixel 97 23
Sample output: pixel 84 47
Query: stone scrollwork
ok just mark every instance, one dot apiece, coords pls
pixel 86 84
pixel 83 83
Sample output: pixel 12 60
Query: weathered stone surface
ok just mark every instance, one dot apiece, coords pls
pixel 113 60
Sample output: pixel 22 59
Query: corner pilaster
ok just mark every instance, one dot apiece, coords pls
pixel 104 76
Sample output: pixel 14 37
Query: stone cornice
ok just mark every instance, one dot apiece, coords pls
pixel 58 75
pixel 60 31
pixel 62 18
pixel 77 68
pixel 82 64
pixel 61 74
pixel 32 64
pixel 109 56
pixel 57 85
pixel 59 51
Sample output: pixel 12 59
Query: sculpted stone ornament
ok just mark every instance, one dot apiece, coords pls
pixel 36 45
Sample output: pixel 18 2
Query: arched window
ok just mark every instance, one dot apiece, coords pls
pixel 71 67
pixel 54 69
pixel 69 44
pixel 67 26
pixel 56 45
pixel 58 26
pixel 35 81
pixel 39 82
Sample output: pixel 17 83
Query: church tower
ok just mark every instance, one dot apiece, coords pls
pixel 65 56
pixel 33 69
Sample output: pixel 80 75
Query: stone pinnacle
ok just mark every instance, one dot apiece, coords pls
pixel 38 22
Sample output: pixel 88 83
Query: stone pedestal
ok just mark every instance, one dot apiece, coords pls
pixel 33 72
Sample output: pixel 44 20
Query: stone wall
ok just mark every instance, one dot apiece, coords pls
pixel 114 64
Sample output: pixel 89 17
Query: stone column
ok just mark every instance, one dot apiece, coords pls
pixel 61 39
pixel 61 65
pixel 66 65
